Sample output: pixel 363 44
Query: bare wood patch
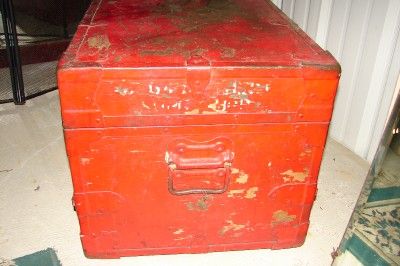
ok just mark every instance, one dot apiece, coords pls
pixel 179 231
pixel 291 176
pixel 243 177
pixel 251 193
pixel 231 226
pixel 233 193
pixel 99 42
pixel 193 112
pixel 282 217
pixel 201 204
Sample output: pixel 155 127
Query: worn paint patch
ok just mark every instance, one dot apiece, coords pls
pixel 195 52
pixel 193 112
pixel 190 206
pixel 165 52
pixel 228 52
pixel 118 58
pixel 238 234
pixel 85 161
pixel 99 42
pixel 166 157
pixel 123 91
pixel 251 193
pixel 145 106
pixel 231 227
pixel 291 176
pixel 200 205
pixel 136 151
pixel 179 231
pixel 282 217
pixel 243 177
pixel 233 193
pixel 214 107
pixel 306 152
pixel 235 171
pixel 183 238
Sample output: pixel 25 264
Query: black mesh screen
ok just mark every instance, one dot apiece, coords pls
pixel 38 22
pixel 38 79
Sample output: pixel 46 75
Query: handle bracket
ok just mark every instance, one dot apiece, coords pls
pixel 199 167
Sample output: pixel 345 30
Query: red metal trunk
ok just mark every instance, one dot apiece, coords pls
pixel 193 126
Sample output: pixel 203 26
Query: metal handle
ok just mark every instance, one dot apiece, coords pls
pixel 199 167
pixel 222 174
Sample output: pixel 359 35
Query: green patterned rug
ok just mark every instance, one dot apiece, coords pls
pixel 374 237
pixel 47 257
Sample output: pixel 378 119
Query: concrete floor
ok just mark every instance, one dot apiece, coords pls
pixel 36 211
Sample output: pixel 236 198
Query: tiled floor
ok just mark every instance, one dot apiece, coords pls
pixel 36 211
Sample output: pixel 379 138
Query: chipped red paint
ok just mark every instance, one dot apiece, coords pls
pixel 193 128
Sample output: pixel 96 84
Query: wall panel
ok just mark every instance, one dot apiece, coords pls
pixel 363 35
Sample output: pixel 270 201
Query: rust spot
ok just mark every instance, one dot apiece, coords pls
pixel 99 42
pixel 231 226
pixel 291 176
pixel 233 193
pixel 282 217
pixel 251 193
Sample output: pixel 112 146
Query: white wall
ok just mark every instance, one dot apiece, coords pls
pixel 364 37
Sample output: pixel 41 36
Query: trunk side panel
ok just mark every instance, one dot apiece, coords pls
pixel 125 208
